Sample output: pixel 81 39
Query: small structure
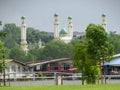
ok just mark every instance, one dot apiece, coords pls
pixel 59 79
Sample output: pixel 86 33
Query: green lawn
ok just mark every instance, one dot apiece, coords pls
pixel 76 87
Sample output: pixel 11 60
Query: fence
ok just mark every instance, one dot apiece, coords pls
pixel 56 80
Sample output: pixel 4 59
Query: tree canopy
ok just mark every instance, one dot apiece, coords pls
pixel 57 49
pixel 97 50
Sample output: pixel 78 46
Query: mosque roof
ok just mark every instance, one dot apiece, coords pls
pixel 63 31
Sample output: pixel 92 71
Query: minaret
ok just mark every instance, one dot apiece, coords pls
pixel 70 27
pixel 40 44
pixel 104 21
pixel 23 42
pixel 56 26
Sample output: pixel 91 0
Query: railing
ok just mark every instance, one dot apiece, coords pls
pixel 112 76
pixel 66 80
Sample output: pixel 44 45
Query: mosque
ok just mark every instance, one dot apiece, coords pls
pixel 66 35
pixel 63 34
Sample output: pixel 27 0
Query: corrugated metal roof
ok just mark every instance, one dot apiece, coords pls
pixel 114 62
pixel 49 61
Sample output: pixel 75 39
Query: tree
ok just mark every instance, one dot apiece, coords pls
pixel 89 56
pixel 3 57
pixel 0 23
pixel 79 59
pixel 17 54
pixel 75 41
pixel 84 64
pixel 115 41
pixel 34 35
pixel 12 38
pixel 2 33
pixel 99 49
pixel 32 56
pixel 57 49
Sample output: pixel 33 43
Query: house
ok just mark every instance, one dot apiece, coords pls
pixel 61 65
pixel 17 69
pixel 113 67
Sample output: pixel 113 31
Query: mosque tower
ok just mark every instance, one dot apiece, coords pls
pixel 23 43
pixel 56 26
pixel 104 21
pixel 70 27
pixel 40 44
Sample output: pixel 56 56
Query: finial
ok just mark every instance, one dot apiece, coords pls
pixel 22 17
pixel 69 17
pixel 103 15
pixel 56 15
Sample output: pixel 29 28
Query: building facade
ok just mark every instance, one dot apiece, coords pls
pixel 61 65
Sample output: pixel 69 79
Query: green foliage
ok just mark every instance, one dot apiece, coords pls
pixel 79 56
pixel 33 55
pixel 91 72
pixel 3 34
pixel 97 40
pixel 95 50
pixel 75 41
pixel 84 65
pixel 57 49
pixel 115 41
pixel 98 43
pixel 3 57
pixel 0 23
pixel 17 54
pixel 79 59
pixel 12 38
pixel 98 48
pixel 12 42
pixel 34 36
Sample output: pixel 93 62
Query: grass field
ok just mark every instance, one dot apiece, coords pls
pixel 77 87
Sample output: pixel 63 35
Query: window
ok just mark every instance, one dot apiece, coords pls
pixel 54 67
pixel 19 68
pixel 13 68
pixel 66 66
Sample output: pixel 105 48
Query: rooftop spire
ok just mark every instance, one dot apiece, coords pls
pixel 104 21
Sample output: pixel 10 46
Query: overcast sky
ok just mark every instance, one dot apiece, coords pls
pixel 39 13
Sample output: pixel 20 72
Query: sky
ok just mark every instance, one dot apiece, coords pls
pixel 40 13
